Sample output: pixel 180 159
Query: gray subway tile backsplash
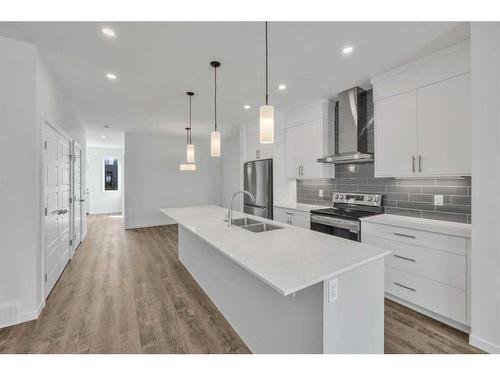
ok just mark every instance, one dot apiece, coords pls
pixel 408 197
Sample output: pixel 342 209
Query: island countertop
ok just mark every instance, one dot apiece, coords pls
pixel 288 259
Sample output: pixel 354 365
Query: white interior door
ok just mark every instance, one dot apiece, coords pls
pixel 57 191
pixel 77 196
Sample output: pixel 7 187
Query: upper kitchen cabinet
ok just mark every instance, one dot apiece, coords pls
pixel 422 117
pixel 309 136
pixel 256 150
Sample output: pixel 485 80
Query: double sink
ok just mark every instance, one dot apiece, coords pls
pixel 254 225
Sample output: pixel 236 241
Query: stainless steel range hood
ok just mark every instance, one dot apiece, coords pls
pixel 351 129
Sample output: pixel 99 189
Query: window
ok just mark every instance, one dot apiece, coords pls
pixel 110 174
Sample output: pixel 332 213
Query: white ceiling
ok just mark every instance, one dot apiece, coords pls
pixel 156 63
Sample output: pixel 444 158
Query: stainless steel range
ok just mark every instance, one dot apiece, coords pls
pixel 343 218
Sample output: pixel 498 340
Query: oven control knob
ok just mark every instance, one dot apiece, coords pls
pixel 336 196
pixel 369 199
pixel 341 196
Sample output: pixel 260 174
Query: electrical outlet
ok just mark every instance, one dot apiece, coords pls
pixel 333 290
pixel 438 200
pixel 320 193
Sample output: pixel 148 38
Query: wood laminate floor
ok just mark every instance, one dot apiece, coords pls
pixel 126 292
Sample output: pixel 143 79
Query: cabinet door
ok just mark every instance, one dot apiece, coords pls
pixel 293 151
pixel 444 127
pixel 396 135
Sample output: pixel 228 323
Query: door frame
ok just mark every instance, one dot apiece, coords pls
pixel 74 145
pixel 46 122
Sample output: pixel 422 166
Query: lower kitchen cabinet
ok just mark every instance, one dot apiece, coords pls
pixel 427 271
pixel 292 217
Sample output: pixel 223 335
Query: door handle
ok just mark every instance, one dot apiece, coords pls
pixel 413 163
pixel 404 286
pixel 404 258
pixel 82 200
pixel 62 212
pixel 403 235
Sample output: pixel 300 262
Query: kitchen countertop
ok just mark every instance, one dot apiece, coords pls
pixel 428 225
pixel 301 206
pixel 288 259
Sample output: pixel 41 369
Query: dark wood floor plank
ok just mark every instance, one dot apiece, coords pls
pixel 126 292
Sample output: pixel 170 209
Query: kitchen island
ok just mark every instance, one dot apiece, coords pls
pixel 288 290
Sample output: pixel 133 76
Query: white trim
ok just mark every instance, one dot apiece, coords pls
pixel 138 226
pixel 484 345
pixel 425 60
pixel 31 315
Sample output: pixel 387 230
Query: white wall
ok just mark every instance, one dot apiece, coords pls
pixel 101 201
pixel 485 272
pixel 153 180
pixel 28 96
pixel 231 171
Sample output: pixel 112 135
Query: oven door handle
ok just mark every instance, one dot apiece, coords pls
pixel 352 226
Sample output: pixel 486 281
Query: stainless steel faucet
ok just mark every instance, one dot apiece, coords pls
pixel 230 219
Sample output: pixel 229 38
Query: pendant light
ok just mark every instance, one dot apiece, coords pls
pixel 266 111
pixel 189 165
pixel 215 135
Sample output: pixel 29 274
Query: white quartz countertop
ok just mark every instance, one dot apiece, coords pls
pixel 300 206
pixel 428 225
pixel 288 259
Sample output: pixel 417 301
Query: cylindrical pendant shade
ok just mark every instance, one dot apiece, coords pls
pixel 267 124
pixel 187 167
pixel 190 153
pixel 215 144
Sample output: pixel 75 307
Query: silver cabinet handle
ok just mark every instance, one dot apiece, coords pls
pixel 413 163
pixel 299 170
pixel 289 213
pixel 302 170
pixel 404 286
pixel 62 212
pixel 420 163
pixel 82 200
pixel 404 235
pixel 403 258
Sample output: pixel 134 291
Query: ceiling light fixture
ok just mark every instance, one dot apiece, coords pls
pixel 110 33
pixel 266 125
pixel 111 76
pixel 103 136
pixel 189 165
pixel 347 50
pixel 246 106
pixel 215 135
pixel 282 87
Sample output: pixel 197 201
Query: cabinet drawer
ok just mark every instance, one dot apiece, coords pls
pixel 457 245
pixel 447 268
pixel 431 295
pixel 293 217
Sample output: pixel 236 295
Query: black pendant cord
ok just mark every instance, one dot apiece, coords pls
pixel 215 106
pixel 267 73
pixel 188 130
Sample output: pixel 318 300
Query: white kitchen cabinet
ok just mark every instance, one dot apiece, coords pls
pixel 396 135
pixel 444 133
pixel 422 117
pixel 256 150
pixel 305 144
pixel 426 270
pixel 292 217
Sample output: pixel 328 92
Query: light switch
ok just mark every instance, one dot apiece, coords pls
pixel 438 200
pixel 320 193
pixel 333 290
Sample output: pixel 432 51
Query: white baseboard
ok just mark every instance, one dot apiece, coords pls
pixel 484 345
pixel 23 316
pixel 138 226
pixel 429 313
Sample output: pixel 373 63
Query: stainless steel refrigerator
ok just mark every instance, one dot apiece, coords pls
pixel 258 180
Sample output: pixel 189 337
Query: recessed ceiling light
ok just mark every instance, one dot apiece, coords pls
pixel 347 50
pixel 111 76
pixel 103 136
pixel 246 106
pixel 282 87
pixel 108 32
